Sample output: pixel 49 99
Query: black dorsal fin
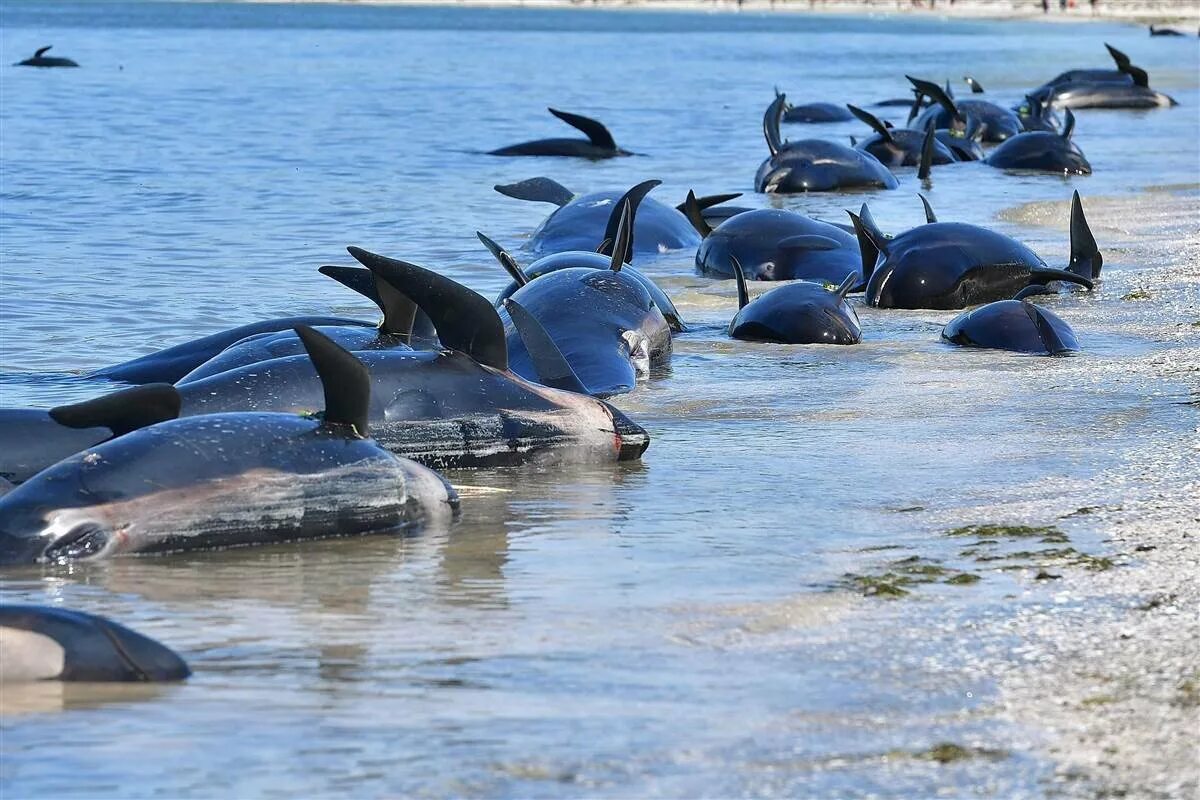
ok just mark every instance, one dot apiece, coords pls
pixel 873 121
pixel 623 238
pixel 935 92
pixel 866 248
pixel 1068 125
pixel 356 279
pixel 848 283
pixel 976 87
pixel 930 217
pixel 915 108
pixel 123 411
pixel 401 317
pixel 877 238
pixel 596 133
pixel 1086 259
pixel 634 198
pixel 399 311
pixel 551 366
pixel 691 208
pixel 1050 338
pixel 739 275
pixel 508 262
pixel 464 320
pixel 345 379
pixel 1139 75
pixel 927 148
pixel 41 51
pixel 537 190
pixel 1119 58
pixel 771 118
pixel 708 201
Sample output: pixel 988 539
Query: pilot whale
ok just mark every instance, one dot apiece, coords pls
pixel 599 144
pixel 40 59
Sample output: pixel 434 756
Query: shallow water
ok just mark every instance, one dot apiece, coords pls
pixel 673 627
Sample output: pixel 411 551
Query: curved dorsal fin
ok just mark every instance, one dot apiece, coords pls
pixel 345 379
pixel 41 51
pixel 740 276
pixel 930 217
pixel 1068 124
pixel 1119 58
pixel 596 133
pixel 551 366
pixel 976 87
pixel 634 199
pixel 508 262
pixel 771 120
pixel 927 147
pixel 1086 259
pixel 868 252
pixel 691 208
pixel 401 317
pixel 873 121
pixel 464 320
pixel 537 190
pixel 623 238
pixel 708 201
pixel 123 411
pixel 847 284
pixel 935 92
pixel 915 108
pixel 1139 75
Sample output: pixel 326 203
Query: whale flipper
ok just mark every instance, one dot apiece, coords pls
pixel 846 286
pixel 548 361
pixel 930 217
pixel 771 119
pixel 1050 338
pixel 1050 274
pixel 508 262
pixel 464 320
pixel 692 210
pixel 623 241
pixel 936 93
pixel 873 121
pixel 596 133
pixel 1086 259
pixel 537 190
pixel 123 411
pixel 345 380
pixel 740 276
pixel 633 198
pixel 708 201
pixel 926 165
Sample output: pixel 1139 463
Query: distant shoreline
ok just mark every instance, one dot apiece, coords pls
pixel 1132 11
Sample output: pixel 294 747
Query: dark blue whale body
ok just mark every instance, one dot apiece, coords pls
pixel 1044 151
pixel 45 643
pixel 1128 86
pixel 998 123
pixel 40 59
pixel 796 313
pixel 902 147
pixel 1016 325
pixel 599 144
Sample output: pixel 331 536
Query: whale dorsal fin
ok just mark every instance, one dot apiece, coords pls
pixel 927 147
pixel 41 51
pixel 936 93
pixel 1139 75
pixel 345 379
pixel 465 321
pixel 401 317
pixel 399 311
pixel 508 262
pixel 537 190
pixel 847 284
pixel 634 199
pixel 691 208
pixel 868 252
pixel 708 201
pixel 1050 338
pixel 873 121
pixel 930 217
pixel 739 275
pixel 1068 125
pixel 771 120
pixel 976 87
pixel 809 241
pixel 1086 259
pixel 551 366
pixel 1119 58
pixel 123 411
pixel 623 239
pixel 854 141
pixel 596 133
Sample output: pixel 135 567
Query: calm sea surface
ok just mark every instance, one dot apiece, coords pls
pixel 674 627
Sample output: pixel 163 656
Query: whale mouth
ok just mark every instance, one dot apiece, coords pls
pixel 85 540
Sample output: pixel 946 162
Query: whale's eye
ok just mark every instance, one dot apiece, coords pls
pixel 83 541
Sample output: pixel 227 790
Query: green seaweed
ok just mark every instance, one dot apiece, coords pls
pixel 964 579
pixel 949 752
pixel 1004 531
pixel 1140 293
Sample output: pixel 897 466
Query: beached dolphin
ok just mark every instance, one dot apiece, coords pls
pixel 946 265
pixel 604 321
pixel 40 59
pixel 796 313
pixel 580 221
pixel 998 123
pixel 1016 325
pixel 814 165
pixel 224 480
pixel 1128 86
pixel 900 147
pixel 1045 151
pixel 771 244
pixel 42 643
pixel 33 439
pixel 599 144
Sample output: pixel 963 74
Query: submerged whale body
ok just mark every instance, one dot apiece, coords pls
pixel 1128 86
pixel 998 123
pixel 796 313
pixel 599 144
pixel 40 59
pixel 225 480
pixel 43 643
pixel 1016 325
pixel 1045 151
pixel 901 147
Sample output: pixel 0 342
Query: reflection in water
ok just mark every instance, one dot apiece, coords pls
pixel 43 697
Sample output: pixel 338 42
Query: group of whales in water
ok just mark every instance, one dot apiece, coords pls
pixel 307 427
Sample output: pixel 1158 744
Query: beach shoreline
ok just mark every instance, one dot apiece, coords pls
pixel 1145 12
